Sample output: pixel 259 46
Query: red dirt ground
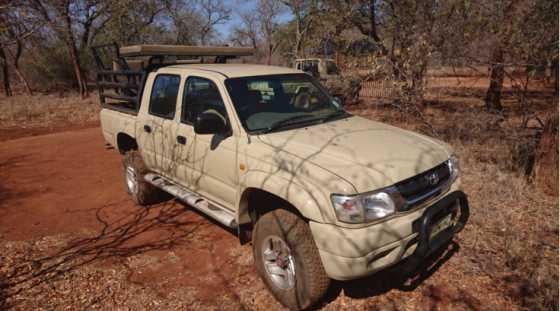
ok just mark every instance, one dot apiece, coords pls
pixel 80 242
pixel 68 184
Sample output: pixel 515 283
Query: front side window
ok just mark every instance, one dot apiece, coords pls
pixel 268 103
pixel 201 96
pixel 164 96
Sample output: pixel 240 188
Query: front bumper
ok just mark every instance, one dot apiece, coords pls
pixel 353 253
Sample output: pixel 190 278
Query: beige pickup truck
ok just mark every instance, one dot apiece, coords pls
pixel 321 194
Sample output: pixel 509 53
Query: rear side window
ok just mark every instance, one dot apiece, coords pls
pixel 201 95
pixel 164 96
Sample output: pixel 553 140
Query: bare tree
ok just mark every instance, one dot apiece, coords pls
pixel 500 31
pixel 526 33
pixel 304 12
pixel 247 33
pixel 12 33
pixel 92 16
pixel 213 12
pixel 15 31
pixel 186 21
pixel 268 12
pixel 259 29
pixel 61 19
pixel 133 21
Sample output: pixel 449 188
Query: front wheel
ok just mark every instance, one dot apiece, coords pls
pixel 288 261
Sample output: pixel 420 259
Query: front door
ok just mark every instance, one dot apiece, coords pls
pixel 213 157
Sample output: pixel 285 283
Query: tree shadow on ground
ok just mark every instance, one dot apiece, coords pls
pixel 401 277
pixel 3 295
pixel 164 226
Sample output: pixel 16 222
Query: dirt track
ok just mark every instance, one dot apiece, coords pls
pixel 70 237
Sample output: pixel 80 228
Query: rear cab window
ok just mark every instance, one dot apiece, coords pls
pixel 163 99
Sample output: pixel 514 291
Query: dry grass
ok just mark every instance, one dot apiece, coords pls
pixel 508 257
pixel 47 110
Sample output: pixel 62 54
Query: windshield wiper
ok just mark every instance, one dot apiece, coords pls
pixel 334 115
pixel 280 123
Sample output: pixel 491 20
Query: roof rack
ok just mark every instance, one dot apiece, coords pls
pixel 184 50
pixel 122 72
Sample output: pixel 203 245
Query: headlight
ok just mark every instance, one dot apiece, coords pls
pixel 366 207
pixel 453 164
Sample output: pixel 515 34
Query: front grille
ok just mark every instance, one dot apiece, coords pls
pixel 417 189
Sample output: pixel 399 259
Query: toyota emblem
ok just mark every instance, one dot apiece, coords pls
pixel 432 179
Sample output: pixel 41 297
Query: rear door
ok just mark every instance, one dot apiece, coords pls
pixel 156 124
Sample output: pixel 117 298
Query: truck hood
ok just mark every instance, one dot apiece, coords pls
pixel 370 155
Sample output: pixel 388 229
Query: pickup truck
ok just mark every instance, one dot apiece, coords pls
pixel 320 193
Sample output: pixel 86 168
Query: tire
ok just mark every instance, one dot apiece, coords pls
pixel 310 282
pixel 141 192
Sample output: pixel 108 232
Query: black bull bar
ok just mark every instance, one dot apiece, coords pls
pixel 454 203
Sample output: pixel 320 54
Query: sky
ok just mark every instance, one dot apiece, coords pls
pixel 237 7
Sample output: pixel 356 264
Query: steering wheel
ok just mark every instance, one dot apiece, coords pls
pixel 215 112
pixel 301 99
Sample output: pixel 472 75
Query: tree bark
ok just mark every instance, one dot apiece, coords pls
pixel 554 69
pixel 269 54
pixel 74 55
pixel 494 92
pixel 303 20
pixel 297 45
pixel 545 171
pixel 16 58
pixel 5 73
pixel 18 71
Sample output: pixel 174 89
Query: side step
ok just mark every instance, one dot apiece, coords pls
pixel 219 214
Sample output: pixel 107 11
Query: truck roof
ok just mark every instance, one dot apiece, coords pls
pixel 239 70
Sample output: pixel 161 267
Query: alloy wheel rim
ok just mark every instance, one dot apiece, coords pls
pixel 278 262
pixel 131 181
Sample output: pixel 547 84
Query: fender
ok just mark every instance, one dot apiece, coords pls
pixel 312 203
pixel 114 122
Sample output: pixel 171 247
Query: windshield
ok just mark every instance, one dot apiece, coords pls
pixel 267 103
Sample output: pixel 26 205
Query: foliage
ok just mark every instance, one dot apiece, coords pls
pixel 396 40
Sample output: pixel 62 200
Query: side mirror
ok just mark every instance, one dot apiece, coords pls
pixel 209 123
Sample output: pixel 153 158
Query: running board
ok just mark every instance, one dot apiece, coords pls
pixel 219 214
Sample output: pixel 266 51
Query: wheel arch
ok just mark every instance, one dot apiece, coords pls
pixel 126 142
pixel 259 196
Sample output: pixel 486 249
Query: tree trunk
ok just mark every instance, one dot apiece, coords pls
pixel 269 54
pixel 82 87
pixel 554 69
pixel 297 45
pixel 18 71
pixel 74 55
pixel 5 73
pixel 545 172
pixel 73 51
pixel 494 92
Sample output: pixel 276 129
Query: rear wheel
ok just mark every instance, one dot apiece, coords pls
pixel 288 260
pixel 142 192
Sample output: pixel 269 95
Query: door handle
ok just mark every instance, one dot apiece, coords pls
pixel 181 140
pixel 147 129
